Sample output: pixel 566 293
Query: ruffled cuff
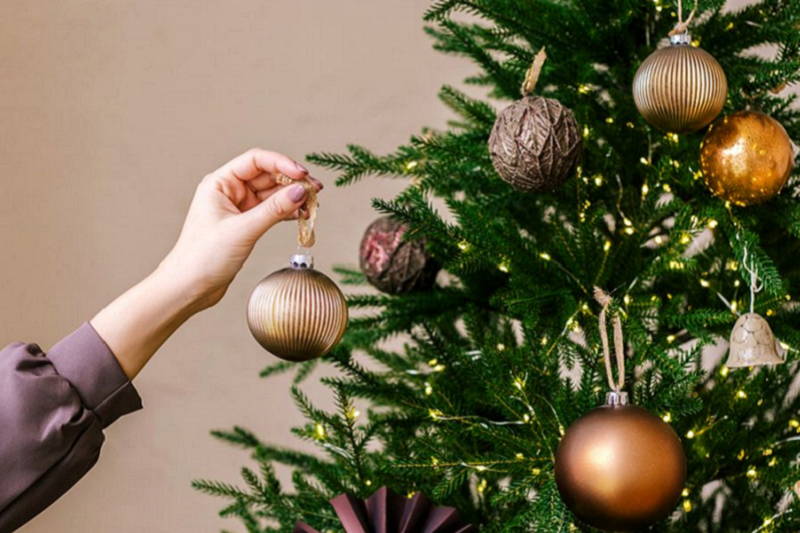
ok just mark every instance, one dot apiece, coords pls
pixel 86 361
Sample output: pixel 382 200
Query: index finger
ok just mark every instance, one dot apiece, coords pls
pixel 256 162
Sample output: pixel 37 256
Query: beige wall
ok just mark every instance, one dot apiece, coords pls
pixel 110 113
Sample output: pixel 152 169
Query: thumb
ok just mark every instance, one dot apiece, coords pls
pixel 278 207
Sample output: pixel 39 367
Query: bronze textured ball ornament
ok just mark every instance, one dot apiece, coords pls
pixel 746 158
pixel 392 264
pixel 297 313
pixel 535 144
pixel 620 468
pixel 680 88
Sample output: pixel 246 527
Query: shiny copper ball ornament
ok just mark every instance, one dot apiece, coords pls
pixel 680 88
pixel 746 158
pixel 535 144
pixel 620 468
pixel 297 313
pixel 392 264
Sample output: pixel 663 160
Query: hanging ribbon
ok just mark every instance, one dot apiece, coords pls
pixel 305 230
pixel 532 76
pixel 619 347
pixel 683 25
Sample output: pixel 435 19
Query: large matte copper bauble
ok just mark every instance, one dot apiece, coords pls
pixel 535 144
pixel 680 88
pixel 620 468
pixel 746 158
pixel 297 314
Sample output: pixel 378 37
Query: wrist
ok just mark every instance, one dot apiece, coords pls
pixel 180 288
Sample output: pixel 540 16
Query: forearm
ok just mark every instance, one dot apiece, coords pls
pixel 136 324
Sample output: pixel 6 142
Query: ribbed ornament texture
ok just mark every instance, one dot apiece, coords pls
pixel 535 144
pixel 680 89
pixel 297 314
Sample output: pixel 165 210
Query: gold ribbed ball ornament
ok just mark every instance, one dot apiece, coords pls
pixel 297 313
pixel 680 88
pixel 746 158
pixel 619 467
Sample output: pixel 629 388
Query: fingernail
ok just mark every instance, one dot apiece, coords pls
pixel 320 186
pixel 297 193
pixel 300 167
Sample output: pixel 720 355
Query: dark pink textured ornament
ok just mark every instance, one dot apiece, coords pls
pixel 388 512
pixel 535 144
pixel 392 264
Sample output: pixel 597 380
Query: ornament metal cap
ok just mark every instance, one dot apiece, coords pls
pixel 680 39
pixel 302 259
pixel 752 343
pixel 616 398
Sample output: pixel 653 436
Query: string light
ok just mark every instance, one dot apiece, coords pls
pixel 667 418
pixel 368 483
pixel 607 246
pixel 724 371
pixel 609 120
pixel 320 430
pixel 503 267
pixel 545 256
pixel 752 473
pixel 687 506
pixel 685 492
pixel 501 347
pixel 741 394
pixel 583 89
pixel 645 189
pixel 704 283
pixel 463 246
pixel 712 223
pixel 520 457
pixel 690 434
pixel 412 165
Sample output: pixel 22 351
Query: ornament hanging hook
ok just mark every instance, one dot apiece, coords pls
pixel 752 269
pixel 532 76
pixel 683 25
pixel 619 348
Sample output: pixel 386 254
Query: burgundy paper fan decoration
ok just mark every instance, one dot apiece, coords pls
pixel 388 512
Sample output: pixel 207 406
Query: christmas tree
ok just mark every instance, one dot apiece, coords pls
pixel 504 355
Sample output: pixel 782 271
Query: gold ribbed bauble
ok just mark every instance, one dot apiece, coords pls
pixel 680 88
pixel 746 158
pixel 620 468
pixel 297 313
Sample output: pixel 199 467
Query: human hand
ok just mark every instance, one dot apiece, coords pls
pixel 232 208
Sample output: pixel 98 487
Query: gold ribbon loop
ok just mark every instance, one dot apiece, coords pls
pixel 619 347
pixel 532 76
pixel 305 230
pixel 683 25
